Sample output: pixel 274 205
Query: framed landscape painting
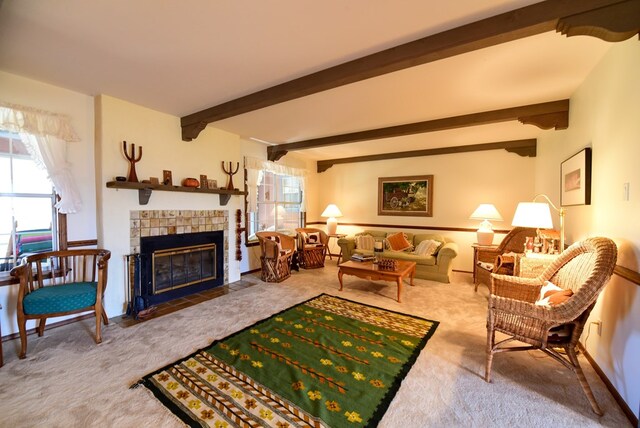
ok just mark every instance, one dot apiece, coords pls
pixel 575 179
pixel 406 196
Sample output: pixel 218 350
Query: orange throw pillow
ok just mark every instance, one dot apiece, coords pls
pixel 558 297
pixel 398 242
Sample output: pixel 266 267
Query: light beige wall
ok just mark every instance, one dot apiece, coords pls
pixel 605 115
pixel 82 225
pixel 461 182
pixel 163 148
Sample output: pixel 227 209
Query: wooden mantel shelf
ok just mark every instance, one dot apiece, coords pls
pixel 145 190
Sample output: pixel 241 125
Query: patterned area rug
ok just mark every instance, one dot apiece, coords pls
pixel 326 362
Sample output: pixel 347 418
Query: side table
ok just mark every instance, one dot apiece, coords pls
pixel 482 253
pixel 336 236
pixel 533 264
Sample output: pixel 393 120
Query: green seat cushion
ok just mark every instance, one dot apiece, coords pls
pixel 60 298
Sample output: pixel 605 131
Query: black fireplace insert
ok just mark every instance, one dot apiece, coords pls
pixel 174 266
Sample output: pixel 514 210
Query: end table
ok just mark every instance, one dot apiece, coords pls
pixel 336 236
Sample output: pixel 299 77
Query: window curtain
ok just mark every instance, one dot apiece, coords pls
pixel 255 168
pixel 45 135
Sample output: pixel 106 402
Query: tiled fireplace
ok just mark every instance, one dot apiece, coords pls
pixel 180 252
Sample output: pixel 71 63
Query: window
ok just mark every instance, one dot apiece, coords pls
pixel 27 213
pixel 279 202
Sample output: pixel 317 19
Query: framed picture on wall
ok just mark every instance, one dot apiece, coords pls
pixel 575 179
pixel 406 196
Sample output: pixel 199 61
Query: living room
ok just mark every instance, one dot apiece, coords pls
pixel 602 116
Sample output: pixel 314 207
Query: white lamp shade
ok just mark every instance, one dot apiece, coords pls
pixel 533 214
pixel 486 212
pixel 331 211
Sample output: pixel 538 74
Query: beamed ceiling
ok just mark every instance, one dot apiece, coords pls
pixel 333 81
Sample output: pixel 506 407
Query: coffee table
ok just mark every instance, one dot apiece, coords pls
pixel 368 270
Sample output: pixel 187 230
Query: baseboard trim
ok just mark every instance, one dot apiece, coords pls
pixel 250 272
pixel 612 389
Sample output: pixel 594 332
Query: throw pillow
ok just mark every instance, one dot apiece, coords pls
pixel 398 242
pixel 365 242
pixel 427 247
pixel 551 295
pixel 312 238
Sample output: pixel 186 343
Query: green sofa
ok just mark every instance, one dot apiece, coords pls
pixel 436 268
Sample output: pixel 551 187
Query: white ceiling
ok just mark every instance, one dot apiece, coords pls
pixel 182 56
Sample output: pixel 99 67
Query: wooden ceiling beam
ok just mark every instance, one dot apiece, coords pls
pixel 554 114
pixel 598 18
pixel 526 147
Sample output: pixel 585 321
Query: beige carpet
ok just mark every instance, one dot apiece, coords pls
pixel 69 381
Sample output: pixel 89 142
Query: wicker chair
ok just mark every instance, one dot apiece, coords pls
pixel 59 283
pixel 277 251
pixel 513 242
pixel 311 255
pixel 585 268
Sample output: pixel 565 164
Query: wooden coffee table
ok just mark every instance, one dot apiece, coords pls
pixel 367 270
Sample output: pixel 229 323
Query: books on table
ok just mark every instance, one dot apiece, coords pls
pixel 361 258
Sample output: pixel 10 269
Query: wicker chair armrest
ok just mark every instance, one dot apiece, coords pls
pixel 555 315
pixel 522 308
pixel 514 287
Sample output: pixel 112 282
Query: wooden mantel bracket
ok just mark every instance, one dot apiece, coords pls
pixel 274 153
pixel 557 120
pixel 191 131
pixel 525 147
pixel 612 23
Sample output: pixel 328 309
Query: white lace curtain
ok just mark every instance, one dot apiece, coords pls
pixel 255 168
pixel 45 135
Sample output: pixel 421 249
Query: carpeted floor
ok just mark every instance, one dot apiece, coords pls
pixel 69 381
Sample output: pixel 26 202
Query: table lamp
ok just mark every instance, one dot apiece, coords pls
pixel 485 212
pixel 538 215
pixel 331 212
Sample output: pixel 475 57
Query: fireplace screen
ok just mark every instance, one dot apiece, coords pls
pixel 179 267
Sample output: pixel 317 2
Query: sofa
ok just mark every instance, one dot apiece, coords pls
pixel 436 267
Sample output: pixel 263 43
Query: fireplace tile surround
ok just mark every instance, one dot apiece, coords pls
pixel 143 223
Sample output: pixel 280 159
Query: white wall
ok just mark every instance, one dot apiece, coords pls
pixel 605 115
pixel 82 225
pixel 461 183
pixel 159 135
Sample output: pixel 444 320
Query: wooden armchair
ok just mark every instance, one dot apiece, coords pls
pixel 312 247
pixel 57 283
pixel 277 251
pixel 513 242
pixel 584 268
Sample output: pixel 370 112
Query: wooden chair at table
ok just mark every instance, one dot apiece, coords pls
pixel 584 268
pixel 276 251
pixel 311 255
pixel 513 242
pixel 57 283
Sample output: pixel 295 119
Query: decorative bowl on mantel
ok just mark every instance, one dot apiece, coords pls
pixel 190 182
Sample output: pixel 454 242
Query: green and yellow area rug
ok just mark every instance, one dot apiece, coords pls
pixel 326 362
